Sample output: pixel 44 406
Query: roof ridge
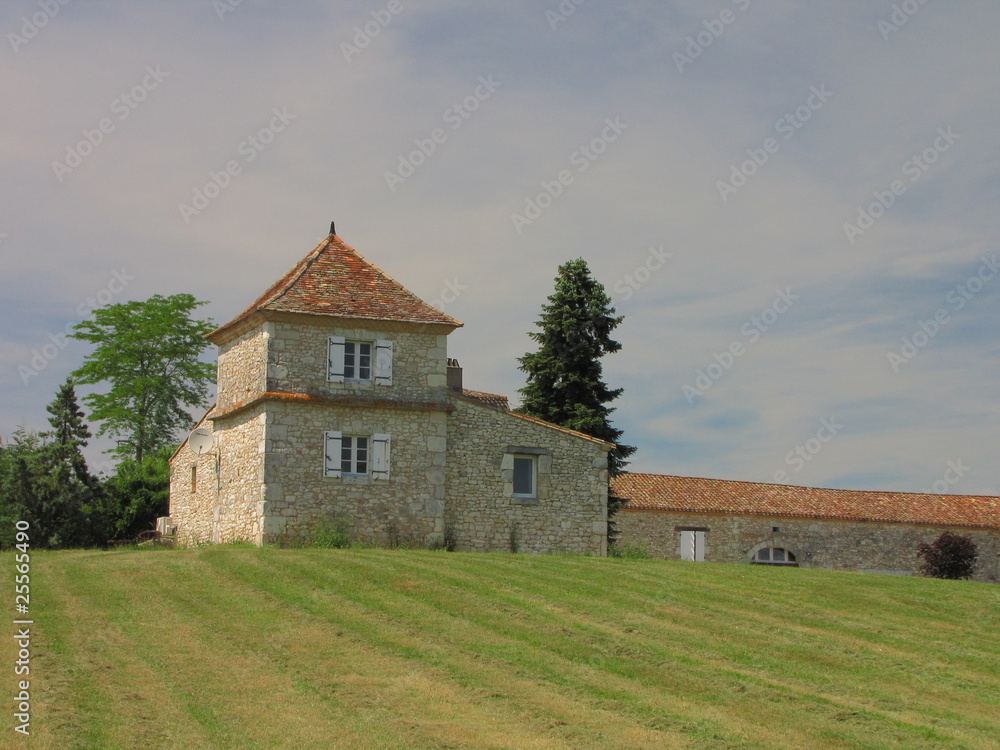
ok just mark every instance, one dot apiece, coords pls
pixel 303 265
pixel 337 281
pixel 803 486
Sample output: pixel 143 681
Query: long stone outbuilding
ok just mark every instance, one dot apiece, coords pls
pixel 713 520
pixel 337 404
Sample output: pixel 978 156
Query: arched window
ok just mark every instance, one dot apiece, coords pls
pixel 775 556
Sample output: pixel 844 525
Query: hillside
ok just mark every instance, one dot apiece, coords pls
pixel 247 648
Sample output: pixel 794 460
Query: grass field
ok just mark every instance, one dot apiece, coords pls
pixel 247 648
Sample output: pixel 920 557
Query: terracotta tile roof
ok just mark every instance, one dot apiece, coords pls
pixel 693 495
pixel 336 280
pixel 491 399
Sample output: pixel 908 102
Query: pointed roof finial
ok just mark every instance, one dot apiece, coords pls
pixel 333 228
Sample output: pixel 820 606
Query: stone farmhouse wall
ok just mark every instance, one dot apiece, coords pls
pixel 570 512
pixel 228 503
pixel 297 357
pixel 407 507
pixel 192 507
pixel 836 545
pixel 241 368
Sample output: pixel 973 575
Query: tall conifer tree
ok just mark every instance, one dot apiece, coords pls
pixel 565 384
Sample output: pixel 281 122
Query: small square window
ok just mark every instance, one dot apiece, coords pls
pixel 525 475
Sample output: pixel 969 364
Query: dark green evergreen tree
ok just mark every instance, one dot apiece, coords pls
pixel 565 384
pixel 48 483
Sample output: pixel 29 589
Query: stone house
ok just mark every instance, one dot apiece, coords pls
pixel 686 518
pixel 337 402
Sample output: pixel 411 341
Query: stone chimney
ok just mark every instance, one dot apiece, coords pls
pixel 454 376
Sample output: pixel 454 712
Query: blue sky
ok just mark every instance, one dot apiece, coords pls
pixel 704 158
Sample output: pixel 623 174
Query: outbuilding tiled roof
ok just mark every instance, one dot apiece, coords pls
pixel 692 495
pixel 492 399
pixel 336 280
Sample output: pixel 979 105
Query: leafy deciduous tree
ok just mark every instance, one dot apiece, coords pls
pixel 148 353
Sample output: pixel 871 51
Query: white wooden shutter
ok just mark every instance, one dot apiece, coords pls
pixel 383 362
pixel 687 545
pixel 331 453
pixel 699 546
pixel 380 456
pixel 335 359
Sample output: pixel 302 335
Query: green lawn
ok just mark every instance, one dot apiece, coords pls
pixel 247 648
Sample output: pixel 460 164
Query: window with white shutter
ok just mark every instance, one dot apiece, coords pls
pixel 383 362
pixel 693 546
pixel 332 443
pixel 380 456
pixel 335 359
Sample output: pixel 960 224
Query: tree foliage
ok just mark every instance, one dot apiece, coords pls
pixel 45 480
pixel 949 556
pixel 139 493
pixel 564 383
pixel 147 352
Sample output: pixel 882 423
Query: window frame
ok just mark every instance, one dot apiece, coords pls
pixel 791 559
pixel 533 464
pixel 696 542
pixel 358 356
pixel 351 444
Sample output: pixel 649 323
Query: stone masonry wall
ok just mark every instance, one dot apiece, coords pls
pixel 297 360
pixel 407 508
pixel 835 545
pixel 241 367
pixel 240 442
pixel 192 512
pixel 571 511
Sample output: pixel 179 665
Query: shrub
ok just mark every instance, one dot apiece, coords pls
pixel 332 534
pixel 949 556
pixel 628 551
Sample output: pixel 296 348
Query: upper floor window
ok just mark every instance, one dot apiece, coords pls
pixel 359 361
